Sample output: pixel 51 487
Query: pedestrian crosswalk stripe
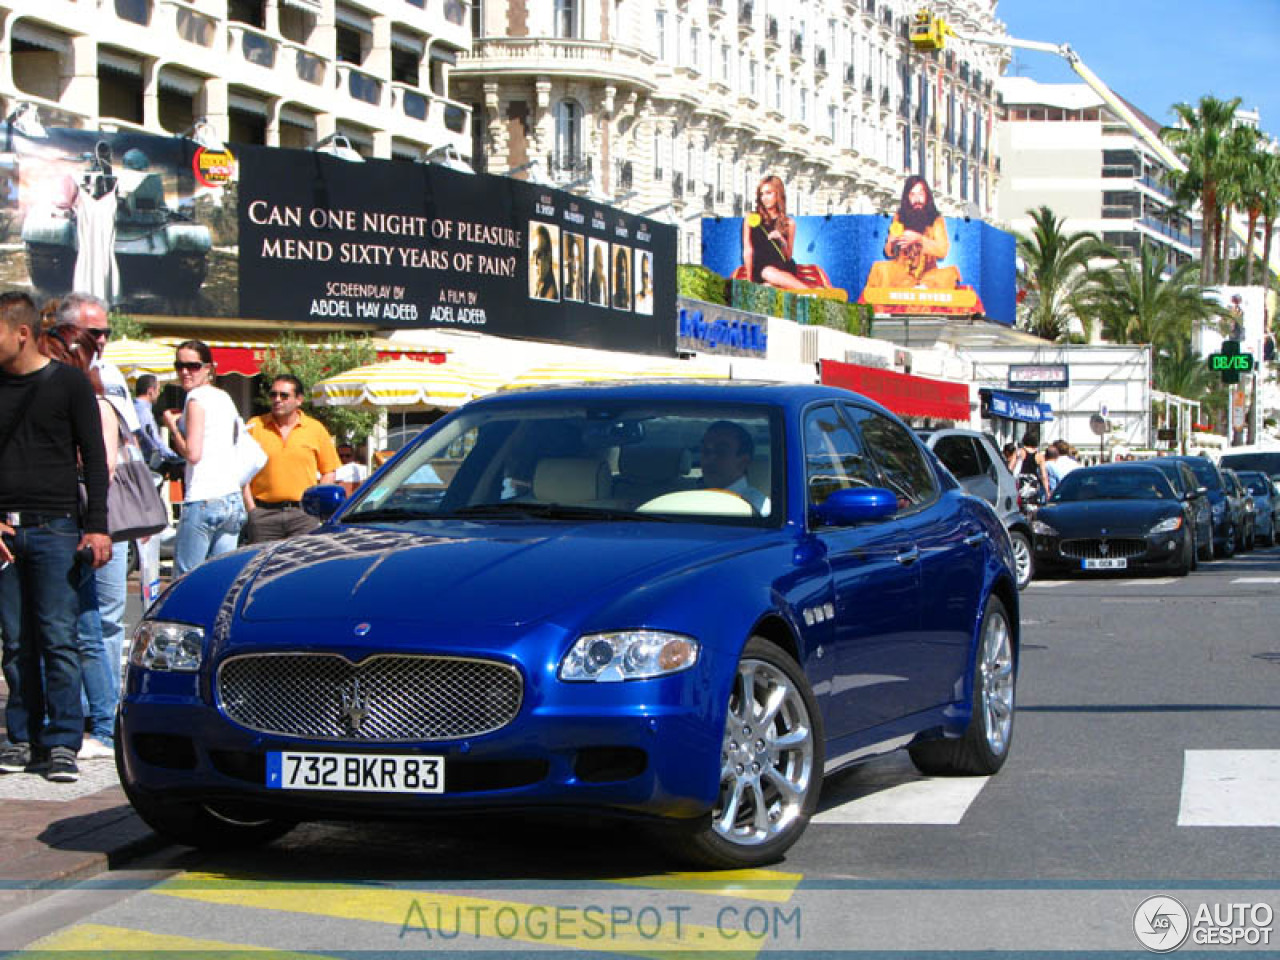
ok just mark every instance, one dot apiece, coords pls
pixel 891 791
pixel 98 940
pixel 1230 788
pixel 1256 580
pixel 1149 582
pixel 1048 583
pixel 769 885
pixel 642 928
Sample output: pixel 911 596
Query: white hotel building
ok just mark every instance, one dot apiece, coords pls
pixel 277 72
pixel 677 108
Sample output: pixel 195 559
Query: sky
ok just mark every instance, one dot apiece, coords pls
pixel 1156 53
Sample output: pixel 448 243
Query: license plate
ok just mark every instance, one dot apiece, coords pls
pixel 1111 563
pixel 369 773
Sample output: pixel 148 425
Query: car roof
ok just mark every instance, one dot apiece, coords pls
pixel 788 395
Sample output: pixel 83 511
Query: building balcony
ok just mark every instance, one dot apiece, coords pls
pixel 252 46
pixel 715 10
pixel 771 41
pixel 797 48
pixel 187 23
pixel 820 62
pixel 360 85
pixel 746 18
pixel 596 60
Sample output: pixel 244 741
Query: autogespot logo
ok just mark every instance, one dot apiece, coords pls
pixel 1161 924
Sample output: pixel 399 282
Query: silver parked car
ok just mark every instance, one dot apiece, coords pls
pixel 1266 499
pixel 973 459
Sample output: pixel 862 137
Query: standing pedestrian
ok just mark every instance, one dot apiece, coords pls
pixel 98 643
pixel 351 473
pixel 203 431
pixel 86 312
pixel 48 421
pixel 300 453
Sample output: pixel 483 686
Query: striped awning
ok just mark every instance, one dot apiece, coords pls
pixel 403 383
pixel 584 371
pixel 136 357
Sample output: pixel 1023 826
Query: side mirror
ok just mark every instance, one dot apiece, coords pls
pixel 845 508
pixel 323 501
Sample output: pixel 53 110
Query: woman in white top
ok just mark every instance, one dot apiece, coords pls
pixel 204 432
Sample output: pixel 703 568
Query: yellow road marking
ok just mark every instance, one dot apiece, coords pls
pixel 95 940
pixel 425 917
pixel 770 885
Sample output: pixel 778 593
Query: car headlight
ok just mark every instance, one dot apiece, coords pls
pixel 162 645
pixel 1168 526
pixel 1042 529
pixel 628 655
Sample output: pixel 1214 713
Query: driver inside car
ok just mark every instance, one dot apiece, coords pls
pixel 727 450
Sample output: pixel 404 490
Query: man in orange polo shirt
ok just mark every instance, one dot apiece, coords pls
pixel 300 454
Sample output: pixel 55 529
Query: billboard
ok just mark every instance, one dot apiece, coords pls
pixel 162 226
pixel 910 260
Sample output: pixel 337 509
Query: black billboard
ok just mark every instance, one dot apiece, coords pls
pixel 159 225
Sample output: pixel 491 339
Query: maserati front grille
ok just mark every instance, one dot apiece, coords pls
pixel 382 698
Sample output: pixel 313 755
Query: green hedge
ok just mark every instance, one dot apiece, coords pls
pixel 706 285
pixel 699 283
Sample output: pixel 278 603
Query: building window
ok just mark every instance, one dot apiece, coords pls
pixel 347 45
pixel 661 28
pixel 566 19
pixel 477 18
pixel 568 158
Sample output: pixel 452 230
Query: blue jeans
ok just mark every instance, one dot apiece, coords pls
pixel 206 529
pixel 39 602
pixel 100 630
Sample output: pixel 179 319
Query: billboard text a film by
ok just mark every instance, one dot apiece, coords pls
pixel 162 226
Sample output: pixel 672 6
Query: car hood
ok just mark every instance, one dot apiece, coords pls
pixel 1114 518
pixel 462 573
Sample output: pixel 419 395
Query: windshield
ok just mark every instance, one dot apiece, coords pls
pixel 1205 472
pixel 1256 483
pixel 717 463
pixel 1110 484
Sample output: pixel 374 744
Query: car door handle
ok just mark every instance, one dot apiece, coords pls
pixel 908 556
pixel 975 539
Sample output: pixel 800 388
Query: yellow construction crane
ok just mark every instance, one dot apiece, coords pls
pixel 930 32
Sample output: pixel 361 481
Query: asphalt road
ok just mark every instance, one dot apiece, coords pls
pixel 1146 761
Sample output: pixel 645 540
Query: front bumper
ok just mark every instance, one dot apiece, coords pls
pixel 1162 551
pixel 642 747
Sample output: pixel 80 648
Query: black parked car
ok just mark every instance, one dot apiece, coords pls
pixel 1122 516
pixel 1242 508
pixel 1186 486
pixel 1266 500
pixel 1226 535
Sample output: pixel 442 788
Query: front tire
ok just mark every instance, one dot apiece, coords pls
pixel 983 748
pixel 770 765
pixel 1024 558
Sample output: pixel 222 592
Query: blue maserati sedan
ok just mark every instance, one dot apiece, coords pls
pixel 680 603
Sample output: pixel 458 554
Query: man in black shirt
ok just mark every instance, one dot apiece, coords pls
pixel 48 420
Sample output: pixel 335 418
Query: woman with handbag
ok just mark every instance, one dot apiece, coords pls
pixel 204 432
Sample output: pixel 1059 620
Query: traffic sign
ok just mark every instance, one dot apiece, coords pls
pixel 1231 362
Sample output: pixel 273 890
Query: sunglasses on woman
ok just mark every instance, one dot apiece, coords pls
pixel 187 366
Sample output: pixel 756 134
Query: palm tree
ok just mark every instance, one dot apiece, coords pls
pixel 1200 140
pixel 1054 270
pixel 1183 372
pixel 1142 301
pixel 1241 184
pixel 1268 207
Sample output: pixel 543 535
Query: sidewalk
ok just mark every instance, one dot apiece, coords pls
pixel 56 833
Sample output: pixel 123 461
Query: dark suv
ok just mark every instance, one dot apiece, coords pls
pixel 1225 534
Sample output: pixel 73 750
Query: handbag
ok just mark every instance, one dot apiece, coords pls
pixel 250 457
pixel 134 506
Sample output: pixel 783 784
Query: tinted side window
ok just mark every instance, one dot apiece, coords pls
pixel 985 463
pixel 833 456
pixel 959 455
pixel 905 469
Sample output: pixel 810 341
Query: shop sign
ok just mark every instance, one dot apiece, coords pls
pixel 1040 376
pixel 709 328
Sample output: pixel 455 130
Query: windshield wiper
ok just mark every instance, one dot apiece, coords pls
pixel 549 511
pixel 382 516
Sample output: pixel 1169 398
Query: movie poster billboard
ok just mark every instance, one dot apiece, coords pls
pixel 909 260
pixel 162 226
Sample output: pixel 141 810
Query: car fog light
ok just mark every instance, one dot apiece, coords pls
pixel 161 645
pixel 628 655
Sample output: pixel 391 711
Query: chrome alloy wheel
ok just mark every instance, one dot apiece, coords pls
pixel 1022 559
pixel 766 760
pixel 996 667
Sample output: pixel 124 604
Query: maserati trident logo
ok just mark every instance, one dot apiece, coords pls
pixel 1104 548
pixel 355 705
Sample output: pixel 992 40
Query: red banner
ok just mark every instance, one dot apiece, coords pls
pixel 904 394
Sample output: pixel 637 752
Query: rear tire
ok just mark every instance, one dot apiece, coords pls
pixel 1024 558
pixel 983 748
